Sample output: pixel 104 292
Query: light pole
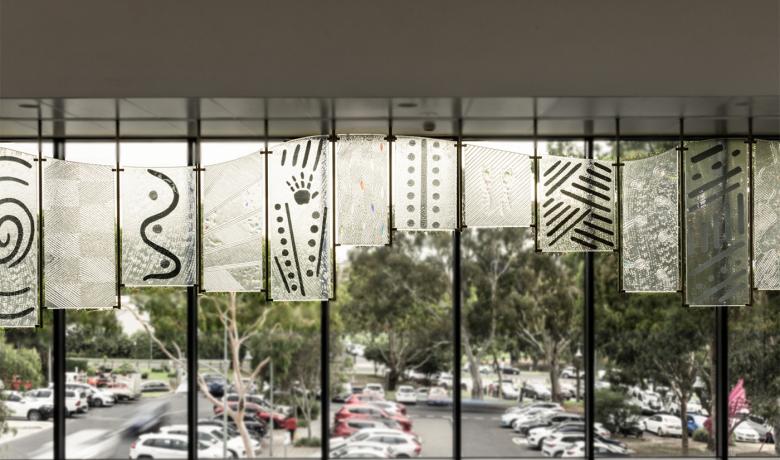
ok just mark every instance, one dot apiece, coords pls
pixel 577 359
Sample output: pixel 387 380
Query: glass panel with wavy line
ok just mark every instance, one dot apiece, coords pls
pixel 300 218
pixel 576 205
pixel 766 247
pixel 19 239
pixel 79 205
pixel 158 226
pixel 424 184
pixel 233 225
pixel 362 190
pixel 717 250
pixel 650 253
pixel 498 188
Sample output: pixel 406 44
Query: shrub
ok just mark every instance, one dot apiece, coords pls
pixel 701 435
pixel 613 410
pixel 307 442
pixel 125 369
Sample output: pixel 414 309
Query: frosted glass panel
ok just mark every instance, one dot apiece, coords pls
pixel 498 188
pixel 233 196
pixel 18 239
pixel 158 226
pixel 424 184
pixel 576 205
pixel 299 217
pixel 716 223
pixel 362 190
pixel 79 205
pixel 650 224
pixel 766 247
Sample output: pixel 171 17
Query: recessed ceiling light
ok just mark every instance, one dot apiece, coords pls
pixel 29 106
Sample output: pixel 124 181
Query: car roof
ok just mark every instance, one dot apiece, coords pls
pixel 179 437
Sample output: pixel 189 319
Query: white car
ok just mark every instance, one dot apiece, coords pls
pixel 600 449
pixel 663 425
pixel 523 414
pixel 746 433
pixel 392 408
pixel 349 450
pixel 367 433
pixel 556 444
pixel 403 445
pixel 405 394
pixel 46 396
pixel 509 390
pixel 211 434
pixel 22 407
pixel 96 397
pixel 155 386
pixel 422 394
pixel 374 388
pixel 165 445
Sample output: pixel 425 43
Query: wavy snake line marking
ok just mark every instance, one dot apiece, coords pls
pixel 155 217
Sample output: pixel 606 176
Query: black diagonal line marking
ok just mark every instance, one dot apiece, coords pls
pixel 319 153
pixel 566 230
pixel 295 154
pixel 713 197
pixel 594 183
pixel 294 248
pixel 707 153
pixel 602 167
pixel 14 179
pixel 14 293
pixel 306 155
pixel 281 272
pixel 599 228
pixel 590 191
pixel 590 203
pixel 546 203
pixel 593 236
pixel 552 168
pixel 720 256
pixel 322 238
pixel 555 217
pixel 563 222
pixel 17 314
pixel 598 216
pixel 564 179
pixel 584 243
pixel 598 175
pixel 16 160
pixel 284 156
pixel 714 183
pixel 555 176
pixel 552 210
pixel 741 213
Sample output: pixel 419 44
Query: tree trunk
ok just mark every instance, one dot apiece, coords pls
pixel 776 432
pixel 392 378
pixel 713 396
pixel 555 385
pixel 476 380
pixel 684 423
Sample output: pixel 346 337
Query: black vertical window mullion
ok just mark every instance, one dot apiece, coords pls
pixel 193 159
pixel 589 337
pixel 59 351
pixel 457 412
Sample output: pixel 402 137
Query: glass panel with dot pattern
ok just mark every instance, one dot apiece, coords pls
pixel 233 225
pixel 299 217
pixel 158 226
pixel 766 247
pixel 424 184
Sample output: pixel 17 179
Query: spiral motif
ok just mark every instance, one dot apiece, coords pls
pixel 16 230
pixel 170 256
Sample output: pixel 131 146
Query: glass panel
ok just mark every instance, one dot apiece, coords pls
pixel 424 184
pixel 716 223
pixel 158 226
pixel 363 175
pixel 79 205
pixel 300 198
pixel 576 205
pixel 233 222
pixel 521 369
pixel 391 350
pixel 650 207
pixel 498 188
pixel 766 247
pixel 25 365
pixel 754 364
pixel 18 239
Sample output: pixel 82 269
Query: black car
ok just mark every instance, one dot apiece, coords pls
pixel 256 427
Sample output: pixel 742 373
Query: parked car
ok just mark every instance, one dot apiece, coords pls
pixel 363 449
pixel 402 445
pixel 22 407
pixel 510 417
pixel 663 425
pixel 375 388
pixel 392 408
pixel 546 420
pixel 164 445
pixel 536 391
pixel 154 386
pixel 362 411
pixel 263 413
pixel 363 398
pixel 365 433
pixel 122 392
pixel 570 372
pixel 438 396
pixel 509 390
pixel 405 394
pixel 557 443
pixel 350 426
pixel 509 370
pixel 600 449
pixel 744 432
pixel 537 436
pixel 256 426
pixel 213 435
pixel 422 394
pixel 695 422
pixel 218 424
pixel 45 396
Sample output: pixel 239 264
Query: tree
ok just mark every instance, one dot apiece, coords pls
pixel 399 296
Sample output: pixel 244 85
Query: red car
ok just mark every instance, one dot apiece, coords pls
pixel 350 426
pixel 360 398
pixel 262 413
pixel 365 411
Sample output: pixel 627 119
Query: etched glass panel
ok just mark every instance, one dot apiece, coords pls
pixel 717 250
pixel 299 217
pixel 79 205
pixel 362 190
pixel 233 225
pixel 576 205
pixel 498 188
pixel 650 253
pixel 18 239
pixel 424 184
pixel 766 209
pixel 158 226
